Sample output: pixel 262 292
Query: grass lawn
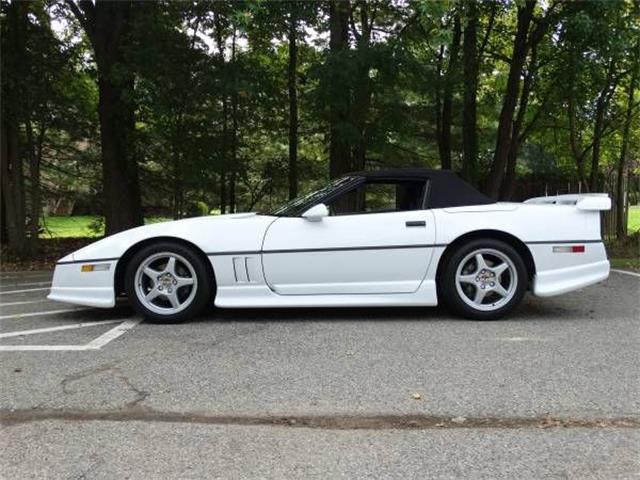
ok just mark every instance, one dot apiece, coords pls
pixel 79 226
pixel 634 219
pixel 626 263
pixel 67 227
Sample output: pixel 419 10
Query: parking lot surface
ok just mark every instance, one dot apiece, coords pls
pixel 551 392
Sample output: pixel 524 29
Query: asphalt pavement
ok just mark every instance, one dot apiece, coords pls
pixel 551 392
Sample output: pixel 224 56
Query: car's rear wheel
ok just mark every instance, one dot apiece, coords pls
pixel 484 279
pixel 168 283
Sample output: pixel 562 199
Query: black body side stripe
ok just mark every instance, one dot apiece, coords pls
pixel 328 249
pixel 333 249
pixel 379 247
pixel 555 242
pixel 91 260
pixel 346 249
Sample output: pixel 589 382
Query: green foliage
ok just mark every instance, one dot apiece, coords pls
pixel 211 95
pixel 634 219
pixel 198 209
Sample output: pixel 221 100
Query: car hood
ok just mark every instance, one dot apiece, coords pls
pixel 212 234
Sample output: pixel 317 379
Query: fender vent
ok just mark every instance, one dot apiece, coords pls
pixel 241 268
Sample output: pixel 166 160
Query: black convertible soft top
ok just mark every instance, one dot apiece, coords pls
pixel 446 189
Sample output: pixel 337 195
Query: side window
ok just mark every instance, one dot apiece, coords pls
pixel 380 196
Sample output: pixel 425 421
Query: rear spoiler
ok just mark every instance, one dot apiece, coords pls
pixel 582 201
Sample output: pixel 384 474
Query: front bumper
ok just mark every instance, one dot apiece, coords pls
pixel 93 289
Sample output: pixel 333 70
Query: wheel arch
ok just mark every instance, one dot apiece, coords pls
pixel 508 238
pixel 124 260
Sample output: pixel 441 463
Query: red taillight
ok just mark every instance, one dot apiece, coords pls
pixel 568 249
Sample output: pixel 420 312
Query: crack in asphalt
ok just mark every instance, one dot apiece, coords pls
pixel 140 395
pixel 325 422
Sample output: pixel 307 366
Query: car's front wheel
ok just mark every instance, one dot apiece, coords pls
pixel 168 283
pixel 484 279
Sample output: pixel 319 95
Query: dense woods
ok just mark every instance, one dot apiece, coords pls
pixel 128 109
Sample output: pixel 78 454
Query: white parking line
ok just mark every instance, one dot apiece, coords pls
pixel 32 284
pixel 96 344
pixel 25 275
pixel 37 314
pixel 112 334
pixel 26 290
pixel 25 302
pixel 56 329
pixel 626 272
pixel 43 348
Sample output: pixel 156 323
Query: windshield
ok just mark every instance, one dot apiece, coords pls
pixel 299 205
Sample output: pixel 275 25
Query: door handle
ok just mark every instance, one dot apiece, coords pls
pixel 415 223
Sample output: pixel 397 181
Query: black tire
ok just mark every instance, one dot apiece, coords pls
pixel 451 296
pixel 204 285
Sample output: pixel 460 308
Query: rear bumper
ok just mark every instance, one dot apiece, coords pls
pixel 93 289
pixel 563 280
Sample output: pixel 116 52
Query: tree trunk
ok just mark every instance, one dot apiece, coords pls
pixel 122 206
pixel 293 104
pixel 508 186
pixel 598 128
pixel 34 147
pixel 339 145
pixel 108 26
pixel 234 128
pixel 225 114
pixel 446 118
pixel 4 234
pixel 574 139
pixel 621 210
pixel 470 66
pixel 223 192
pixel 362 87
pixel 12 190
pixel 14 32
pixel 503 142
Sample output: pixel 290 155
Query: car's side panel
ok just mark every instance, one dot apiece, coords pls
pixel 541 228
pixel 374 253
pixel 261 296
pixel 528 222
pixel 239 233
pixel 212 234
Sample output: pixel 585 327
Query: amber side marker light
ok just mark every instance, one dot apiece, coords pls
pixel 569 249
pixel 95 267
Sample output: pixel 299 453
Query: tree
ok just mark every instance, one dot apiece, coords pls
pixel 108 27
pixel 292 85
pixel 445 105
pixel 469 109
pixel 246 104
pixel 620 198
pixel 518 57
pixel 14 36
pixel 44 108
pixel 339 102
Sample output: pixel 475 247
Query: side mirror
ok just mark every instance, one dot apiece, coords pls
pixel 316 213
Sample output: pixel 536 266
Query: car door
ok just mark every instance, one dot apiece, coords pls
pixel 372 243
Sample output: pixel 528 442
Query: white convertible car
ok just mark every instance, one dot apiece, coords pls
pixel 383 238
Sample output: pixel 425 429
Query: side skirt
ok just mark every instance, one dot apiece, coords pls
pixel 260 296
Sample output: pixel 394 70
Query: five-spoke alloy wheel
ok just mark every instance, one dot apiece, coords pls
pixel 484 279
pixel 168 282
